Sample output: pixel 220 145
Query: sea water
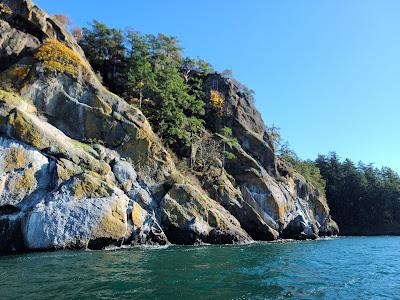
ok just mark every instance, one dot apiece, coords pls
pixel 337 268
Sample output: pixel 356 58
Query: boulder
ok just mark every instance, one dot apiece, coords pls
pixel 190 217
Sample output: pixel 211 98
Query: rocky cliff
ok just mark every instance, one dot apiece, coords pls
pixel 81 168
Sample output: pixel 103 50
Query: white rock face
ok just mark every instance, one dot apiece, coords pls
pixel 61 224
pixel 25 174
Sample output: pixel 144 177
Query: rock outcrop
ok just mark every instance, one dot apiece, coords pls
pixel 268 198
pixel 81 168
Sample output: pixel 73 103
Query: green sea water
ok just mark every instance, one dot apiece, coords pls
pixel 338 268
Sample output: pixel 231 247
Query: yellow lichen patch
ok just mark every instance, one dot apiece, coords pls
pixel 27 181
pixel 26 131
pixel 217 102
pixel 138 215
pixel 91 185
pixel 15 159
pixel 281 211
pixel 176 213
pixel 113 224
pixel 97 102
pixel 5 10
pixel 67 169
pixel 56 56
pixel 105 168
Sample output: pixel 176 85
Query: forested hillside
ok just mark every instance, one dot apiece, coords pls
pixel 363 199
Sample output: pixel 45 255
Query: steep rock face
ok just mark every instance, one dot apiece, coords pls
pixel 81 168
pixel 283 202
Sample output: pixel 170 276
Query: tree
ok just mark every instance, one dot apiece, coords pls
pixel 140 73
pixel 175 106
pixel 306 168
pixel 227 73
pixel 274 135
pixel 362 198
pixel 217 102
pixel 228 142
pixel 77 33
pixel 64 20
pixel 105 49
pixel 206 151
pixel 150 69
pixel 194 68
pixel 195 127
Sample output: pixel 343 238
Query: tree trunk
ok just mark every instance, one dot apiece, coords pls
pixel 223 160
pixel 140 98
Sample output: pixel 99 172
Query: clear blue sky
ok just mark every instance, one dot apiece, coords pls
pixel 326 72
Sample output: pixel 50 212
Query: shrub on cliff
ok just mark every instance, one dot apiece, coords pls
pixel 306 168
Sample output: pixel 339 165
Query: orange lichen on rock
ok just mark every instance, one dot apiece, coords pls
pixel 217 101
pixel 57 56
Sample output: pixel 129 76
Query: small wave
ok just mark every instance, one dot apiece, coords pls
pixel 128 247
pixel 283 241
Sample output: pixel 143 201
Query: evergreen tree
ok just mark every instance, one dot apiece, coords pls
pixel 104 47
pixel 150 67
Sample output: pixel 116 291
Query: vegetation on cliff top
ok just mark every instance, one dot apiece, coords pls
pixel 150 71
pixel 307 168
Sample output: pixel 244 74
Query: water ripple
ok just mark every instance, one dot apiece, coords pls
pixel 342 268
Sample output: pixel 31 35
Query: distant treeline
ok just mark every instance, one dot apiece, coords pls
pixel 364 200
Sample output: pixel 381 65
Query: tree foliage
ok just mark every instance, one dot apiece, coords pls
pixel 363 199
pixel 213 149
pixel 307 168
pixel 150 71
pixel 64 20
pixel 274 135
pixel 105 49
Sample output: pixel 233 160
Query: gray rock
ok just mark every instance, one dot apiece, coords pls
pixel 80 167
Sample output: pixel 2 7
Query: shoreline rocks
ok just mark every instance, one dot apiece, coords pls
pixel 81 168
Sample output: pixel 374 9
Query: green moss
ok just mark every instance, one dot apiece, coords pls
pixel 91 185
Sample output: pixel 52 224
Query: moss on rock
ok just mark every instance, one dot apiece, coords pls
pixel 91 185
